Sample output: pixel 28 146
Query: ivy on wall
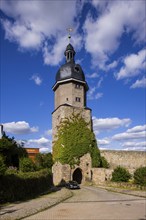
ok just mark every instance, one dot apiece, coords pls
pixel 73 140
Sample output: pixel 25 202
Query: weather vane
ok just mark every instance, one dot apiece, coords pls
pixel 69 30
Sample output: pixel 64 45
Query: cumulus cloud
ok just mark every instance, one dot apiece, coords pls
pixel 37 80
pixel 137 132
pixel 92 76
pixel 134 64
pixel 134 145
pixel 43 143
pixel 106 124
pixel 104 141
pixel 48 132
pixel 92 94
pixel 137 128
pixel 53 54
pixel 20 127
pixel 102 34
pixel 31 27
pixel 140 83
pixel 44 150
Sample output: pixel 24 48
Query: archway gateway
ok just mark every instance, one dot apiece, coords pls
pixel 77 175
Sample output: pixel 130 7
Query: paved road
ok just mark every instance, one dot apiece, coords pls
pixel 91 203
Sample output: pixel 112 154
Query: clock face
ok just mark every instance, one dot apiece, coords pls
pixel 65 72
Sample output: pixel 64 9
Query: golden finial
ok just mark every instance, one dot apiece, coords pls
pixel 69 30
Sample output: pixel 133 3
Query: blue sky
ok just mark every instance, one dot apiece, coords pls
pixel 109 40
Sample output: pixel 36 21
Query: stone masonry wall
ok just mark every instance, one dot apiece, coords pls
pixel 61 173
pixel 67 93
pixel 127 159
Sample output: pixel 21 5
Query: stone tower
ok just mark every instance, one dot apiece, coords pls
pixel 70 91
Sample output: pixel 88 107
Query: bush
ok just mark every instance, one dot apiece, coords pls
pixel 22 186
pixel 11 170
pixel 2 166
pixel 140 176
pixel 27 165
pixel 120 174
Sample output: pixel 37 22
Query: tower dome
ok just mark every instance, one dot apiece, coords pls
pixel 70 70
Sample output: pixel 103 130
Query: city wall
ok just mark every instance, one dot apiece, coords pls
pixel 127 159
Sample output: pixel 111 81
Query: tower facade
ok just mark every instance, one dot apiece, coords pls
pixel 70 91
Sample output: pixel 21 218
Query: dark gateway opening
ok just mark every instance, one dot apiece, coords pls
pixel 77 175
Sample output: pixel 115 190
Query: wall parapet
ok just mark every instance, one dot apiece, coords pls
pixel 127 159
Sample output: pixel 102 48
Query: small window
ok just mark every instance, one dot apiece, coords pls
pixel 77 69
pixel 78 99
pixel 66 99
pixel 77 86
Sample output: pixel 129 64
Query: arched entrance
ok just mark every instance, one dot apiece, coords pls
pixel 77 175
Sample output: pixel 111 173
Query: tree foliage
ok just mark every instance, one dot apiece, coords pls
pixel 11 151
pixel 43 160
pixel 2 166
pixel 27 165
pixel 74 139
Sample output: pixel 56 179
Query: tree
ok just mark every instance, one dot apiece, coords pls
pixel 27 165
pixel 2 166
pixel 11 151
pixel 74 139
pixel 44 160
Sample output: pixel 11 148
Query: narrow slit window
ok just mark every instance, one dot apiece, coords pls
pixel 78 99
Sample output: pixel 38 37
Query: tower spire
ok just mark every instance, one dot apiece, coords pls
pixel 69 52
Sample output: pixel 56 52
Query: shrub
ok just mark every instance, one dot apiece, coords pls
pixel 120 174
pixel 27 165
pixel 140 176
pixel 11 170
pixel 2 166
pixel 24 186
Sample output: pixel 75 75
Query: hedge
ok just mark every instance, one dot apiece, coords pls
pixel 23 186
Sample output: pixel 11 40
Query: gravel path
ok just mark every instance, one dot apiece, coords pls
pixel 23 209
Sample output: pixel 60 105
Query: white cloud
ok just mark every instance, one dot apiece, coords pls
pixel 32 25
pixel 44 150
pixel 48 132
pixel 104 141
pixel 92 94
pixel 137 132
pixel 37 80
pixel 135 149
pixel 134 64
pixel 98 95
pixel 42 143
pixel 20 127
pixel 54 54
pixel 106 124
pixel 92 76
pixel 111 65
pixel 99 82
pixel 135 145
pixel 137 128
pixel 139 83
pixel 102 35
